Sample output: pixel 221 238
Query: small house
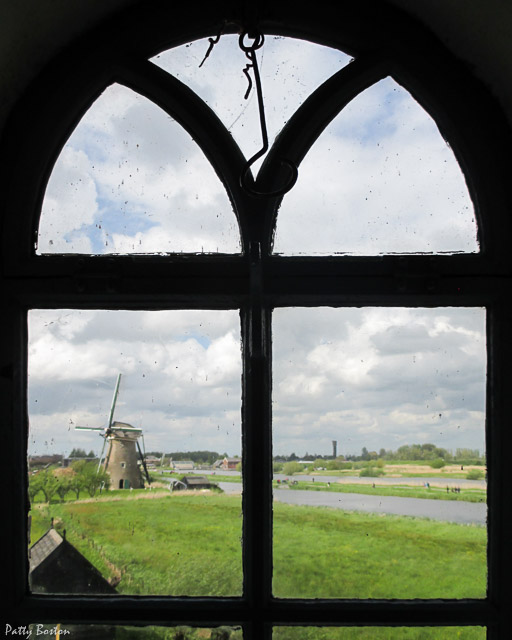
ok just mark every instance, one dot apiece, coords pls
pixel 182 465
pixel 231 463
pixel 56 566
pixel 196 482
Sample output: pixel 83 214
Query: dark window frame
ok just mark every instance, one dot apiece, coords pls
pixel 255 282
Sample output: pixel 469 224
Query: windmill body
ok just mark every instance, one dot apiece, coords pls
pixel 123 451
pixel 122 458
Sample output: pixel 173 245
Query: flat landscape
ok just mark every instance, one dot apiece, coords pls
pixel 157 542
pixel 160 543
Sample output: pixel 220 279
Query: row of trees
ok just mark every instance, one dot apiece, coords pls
pixel 427 452
pixel 198 457
pixel 420 452
pixel 80 453
pixel 81 476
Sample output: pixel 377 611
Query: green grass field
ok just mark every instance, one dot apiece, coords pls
pixel 402 491
pixel 191 545
pixel 379 633
pixel 171 545
pixel 305 633
pixel 327 553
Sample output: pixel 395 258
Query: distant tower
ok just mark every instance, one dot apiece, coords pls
pixel 334 448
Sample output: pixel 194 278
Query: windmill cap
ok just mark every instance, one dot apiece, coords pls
pixel 124 426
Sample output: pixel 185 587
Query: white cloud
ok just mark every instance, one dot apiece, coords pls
pixel 379 179
pixel 378 377
pixel 131 180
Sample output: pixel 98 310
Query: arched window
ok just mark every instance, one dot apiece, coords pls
pixel 127 191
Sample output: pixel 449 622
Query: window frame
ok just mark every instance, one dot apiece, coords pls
pixel 256 282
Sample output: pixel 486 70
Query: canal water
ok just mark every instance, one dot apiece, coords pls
pixel 446 510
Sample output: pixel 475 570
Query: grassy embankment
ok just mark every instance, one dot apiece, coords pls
pixel 401 491
pixel 407 469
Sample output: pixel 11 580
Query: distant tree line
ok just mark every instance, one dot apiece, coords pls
pixel 426 452
pixel 80 453
pixel 421 452
pixel 199 457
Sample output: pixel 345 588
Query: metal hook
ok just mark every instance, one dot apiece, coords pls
pixel 250 52
pixel 213 42
pixel 244 183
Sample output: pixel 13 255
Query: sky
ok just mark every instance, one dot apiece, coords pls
pixel 380 179
pixel 365 377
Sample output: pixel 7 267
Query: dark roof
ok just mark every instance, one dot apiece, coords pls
pixel 192 481
pixel 44 547
pixel 57 567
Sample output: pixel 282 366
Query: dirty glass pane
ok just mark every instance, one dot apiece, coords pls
pixel 135 491
pixel 379 453
pixel 115 632
pixel 378 633
pixel 290 71
pixel 131 180
pixel 379 180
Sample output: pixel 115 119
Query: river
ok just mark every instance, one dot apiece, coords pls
pixel 445 510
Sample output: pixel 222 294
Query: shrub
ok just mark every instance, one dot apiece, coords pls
pixel 290 468
pixel 475 474
pixel 371 472
pixel 439 463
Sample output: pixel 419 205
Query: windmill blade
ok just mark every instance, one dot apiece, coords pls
pixel 90 428
pixel 114 400
pixel 143 463
pixel 101 454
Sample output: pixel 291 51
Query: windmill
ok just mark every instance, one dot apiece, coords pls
pixel 121 461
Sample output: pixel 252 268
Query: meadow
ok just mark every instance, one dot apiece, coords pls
pixel 401 491
pixel 308 633
pixel 190 544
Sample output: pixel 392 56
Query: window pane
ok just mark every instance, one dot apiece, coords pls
pixel 380 179
pixel 93 632
pixel 290 70
pixel 131 180
pixel 379 633
pixel 172 533
pixel 379 440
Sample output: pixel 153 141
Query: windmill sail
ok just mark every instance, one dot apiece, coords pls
pixel 114 400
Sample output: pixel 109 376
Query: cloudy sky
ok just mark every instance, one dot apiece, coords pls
pixel 181 377
pixel 378 378
pixel 371 377
pixel 380 179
